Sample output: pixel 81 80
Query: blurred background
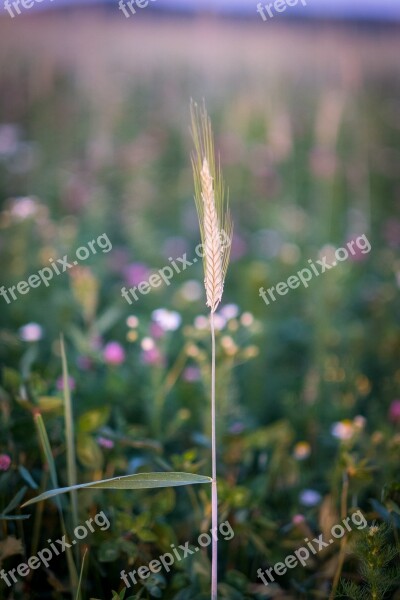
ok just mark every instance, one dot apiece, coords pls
pixel 94 139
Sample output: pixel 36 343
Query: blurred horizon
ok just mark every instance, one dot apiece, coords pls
pixel 385 10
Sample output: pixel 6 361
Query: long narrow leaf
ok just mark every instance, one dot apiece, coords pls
pixel 15 501
pixel 44 440
pixel 27 477
pixel 138 481
pixel 69 434
pixel 78 591
pixel 4 517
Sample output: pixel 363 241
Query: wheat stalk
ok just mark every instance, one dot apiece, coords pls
pixel 215 223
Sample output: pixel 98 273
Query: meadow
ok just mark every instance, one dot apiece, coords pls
pixel 95 141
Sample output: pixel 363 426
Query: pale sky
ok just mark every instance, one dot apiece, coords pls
pixel 375 9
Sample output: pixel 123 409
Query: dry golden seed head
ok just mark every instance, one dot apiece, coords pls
pixel 214 220
pixel 213 280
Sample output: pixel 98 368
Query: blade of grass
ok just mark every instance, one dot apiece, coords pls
pixel 46 448
pixel 78 591
pixel 170 380
pixel 69 435
pixel 15 501
pixel 38 517
pixel 138 481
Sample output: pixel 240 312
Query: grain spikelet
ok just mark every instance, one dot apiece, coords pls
pixel 214 218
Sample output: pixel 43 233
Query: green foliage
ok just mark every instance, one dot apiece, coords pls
pixel 378 565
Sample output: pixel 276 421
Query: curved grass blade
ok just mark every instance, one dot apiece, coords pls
pixel 139 481
pixel 46 449
pixel 69 435
pixel 78 592
pixel 4 517
pixel 15 501
pixel 27 477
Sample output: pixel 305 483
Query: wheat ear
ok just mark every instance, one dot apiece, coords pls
pixel 216 235
pixel 214 279
pixel 212 207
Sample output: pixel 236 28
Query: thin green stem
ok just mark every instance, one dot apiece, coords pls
pixel 70 440
pixel 344 540
pixel 214 491
pixel 169 382
pixel 38 517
